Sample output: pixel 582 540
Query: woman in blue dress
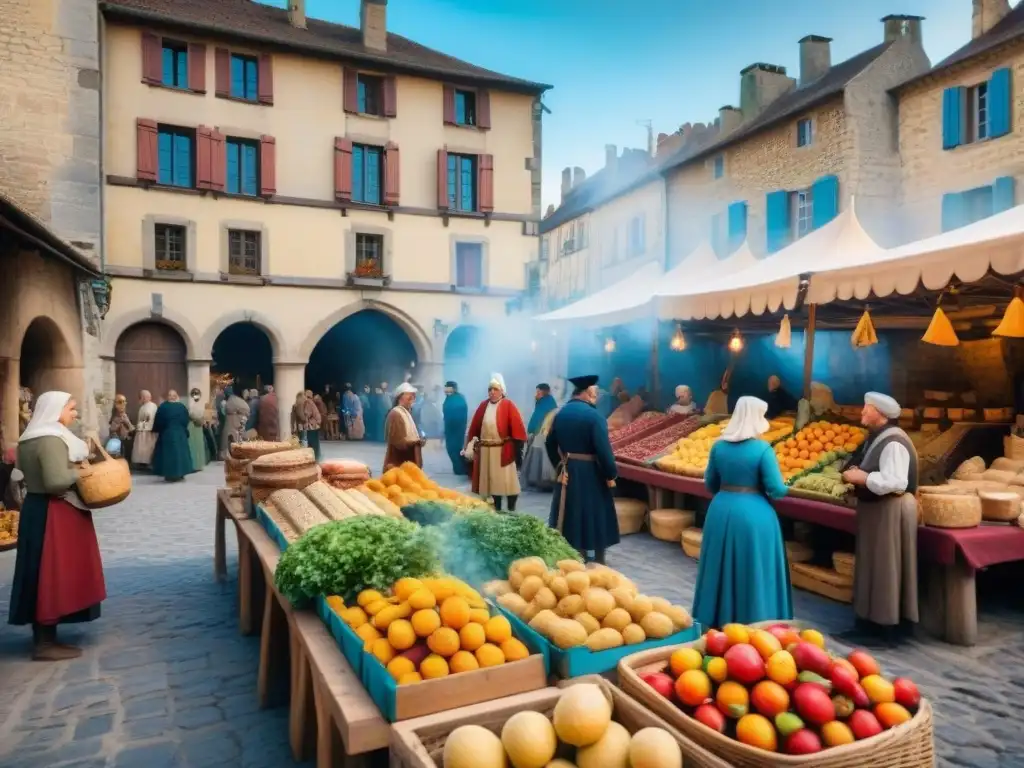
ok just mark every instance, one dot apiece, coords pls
pixel 743 575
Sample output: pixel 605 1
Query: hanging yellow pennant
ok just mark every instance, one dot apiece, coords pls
pixel 940 331
pixel 864 334
pixel 1012 324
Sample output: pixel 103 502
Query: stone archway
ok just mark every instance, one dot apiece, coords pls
pixel 245 351
pixel 47 360
pixel 150 355
pixel 421 340
pixel 115 327
pixel 278 347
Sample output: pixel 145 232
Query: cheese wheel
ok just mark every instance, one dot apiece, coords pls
pixel 944 510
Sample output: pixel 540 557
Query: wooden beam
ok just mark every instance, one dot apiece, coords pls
pixel 812 311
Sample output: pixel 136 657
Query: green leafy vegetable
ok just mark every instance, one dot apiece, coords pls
pixel 343 558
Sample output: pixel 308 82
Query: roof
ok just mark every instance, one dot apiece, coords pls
pixel 254 21
pixel 787 106
pixel 605 185
pixel 27 227
pixel 1009 29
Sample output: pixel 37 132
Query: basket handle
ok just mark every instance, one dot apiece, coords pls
pixel 91 438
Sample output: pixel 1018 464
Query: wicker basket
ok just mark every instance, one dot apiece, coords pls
pixel 691 539
pixel 1000 507
pixel 105 483
pixel 911 745
pixel 256 448
pixel 936 512
pixel 844 563
pixel 420 743
pixel 296 479
pixel 822 581
pixel 630 513
pixel 284 460
pixel 798 552
pixel 669 524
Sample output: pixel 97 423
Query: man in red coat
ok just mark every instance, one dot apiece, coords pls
pixel 497 433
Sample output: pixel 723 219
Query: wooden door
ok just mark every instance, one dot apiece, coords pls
pixel 151 356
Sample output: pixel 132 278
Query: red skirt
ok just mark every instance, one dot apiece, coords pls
pixel 71 572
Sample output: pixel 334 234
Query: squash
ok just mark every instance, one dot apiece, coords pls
pixel 654 748
pixel 544 621
pixel 545 598
pixel 529 739
pixel 588 622
pixel 634 634
pixel 570 605
pixel 610 751
pixel 581 715
pixel 530 587
pixel 567 633
pixel 512 603
pixel 604 639
pixel 599 602
pixel 473 746
pixel 569 566
pixel 578 581
pixel 618 619
pixel 656 625
pixel 640 607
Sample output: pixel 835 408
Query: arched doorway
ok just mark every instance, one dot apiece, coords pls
pixel 462 363
pixel 150 355
pixel 45 357
pixel 244 351
pixel 367 347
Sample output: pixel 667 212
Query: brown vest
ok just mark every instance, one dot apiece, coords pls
pixel 873 457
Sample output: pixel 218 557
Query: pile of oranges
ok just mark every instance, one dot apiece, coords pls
pixel 809 447
pixel 430 628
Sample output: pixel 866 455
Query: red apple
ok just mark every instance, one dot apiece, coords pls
pixel 907 693
pixel 716 643
pixel 709 715
pixel 662 683
pixel 813 704
pixel 803 742
pixel 744 663
pixel 864 725
pixel 843 679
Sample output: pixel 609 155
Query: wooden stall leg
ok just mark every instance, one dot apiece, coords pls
pixel 932 601
pixel 961 604
pixel 245 586
pixel 263 675
pixel 300 709
pixel 220 568
pixel 327 756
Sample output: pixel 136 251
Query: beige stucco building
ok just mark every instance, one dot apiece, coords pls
pixel 292 173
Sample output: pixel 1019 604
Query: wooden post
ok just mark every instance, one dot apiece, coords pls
pixel 655 377
pixel 809 349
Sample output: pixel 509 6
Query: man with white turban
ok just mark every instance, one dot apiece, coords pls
pixel 684 405
pixel 401 434
pixel 884 472
pixel 500 434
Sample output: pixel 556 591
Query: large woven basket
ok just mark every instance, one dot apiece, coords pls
pixel 253 449
pixel 844 563
pixel 798 552
pixel 822 581
pixel 911 745
pixel 105 483
pixel 669 524
pixel 630 513
pixel 691 539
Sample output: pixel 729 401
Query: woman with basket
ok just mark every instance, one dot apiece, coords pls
pixel 58 575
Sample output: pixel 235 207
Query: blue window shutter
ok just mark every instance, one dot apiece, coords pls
pixel 165 154
pixel 249 183
pixel 358 176
pixel 233 166
pixel 373 176
pixel 468 184
pixel 952 117
pixel 460 107
pixel 453 185
pixel 250 79
pixel 824 200
pixel 737 224
pixel 168 75
pixel 1000 103
pixel 181 57
pixel 361 89
pixel 1004 194
pixel 182 161
pixel 952 211
pixel 777 219
pixel 237 77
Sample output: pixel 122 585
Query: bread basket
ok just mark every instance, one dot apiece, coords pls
pixel 104 483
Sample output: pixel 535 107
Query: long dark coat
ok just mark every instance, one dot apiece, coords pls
pixel 589 522
pixel 456 419
pixel 172 458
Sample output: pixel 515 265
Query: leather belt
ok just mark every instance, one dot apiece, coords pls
pixel 563 478
pixel 739 489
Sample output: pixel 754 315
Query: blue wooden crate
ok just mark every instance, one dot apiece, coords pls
pixel 576 662
pixel 348 641
pixel 271 528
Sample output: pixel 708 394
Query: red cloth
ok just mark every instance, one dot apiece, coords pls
pixel 71 572
pixel 510 426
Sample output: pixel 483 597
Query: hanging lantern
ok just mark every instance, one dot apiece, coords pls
pixel 609 345
pixel 1012 324
pixel 678 342
pixel 864 334
pixel 736 342
pixel 940 331
pixel 784 337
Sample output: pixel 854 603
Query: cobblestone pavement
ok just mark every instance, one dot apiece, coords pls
pixel 166 679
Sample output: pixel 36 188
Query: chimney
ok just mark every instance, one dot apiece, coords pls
pixel 566 182
pixel 899 27
pixel 611 154
pixel 373 23
pixel 986 14
pixel 760 85
pixel 729 119
pixel 578 176
pixel 297 13
pixel 815 58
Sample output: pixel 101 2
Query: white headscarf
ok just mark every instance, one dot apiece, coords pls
pixel 45 423
pixel 747 420
pixel 405 389
pixel 497 380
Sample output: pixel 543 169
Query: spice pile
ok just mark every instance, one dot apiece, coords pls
pixel 649 447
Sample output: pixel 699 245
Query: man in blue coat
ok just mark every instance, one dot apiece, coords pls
pixel 455 412
pixel 582 507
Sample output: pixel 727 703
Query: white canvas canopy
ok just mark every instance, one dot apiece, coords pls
pixel 683 287
pixel 623 302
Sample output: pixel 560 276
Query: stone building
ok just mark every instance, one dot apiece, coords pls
pixel 271 170
pixel 50 222
pixel 961 127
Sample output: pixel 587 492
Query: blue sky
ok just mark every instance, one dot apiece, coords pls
pixel 616 62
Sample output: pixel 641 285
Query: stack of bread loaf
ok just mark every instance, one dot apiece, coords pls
pixel 344 473
pixel 293 469
pixel 235 466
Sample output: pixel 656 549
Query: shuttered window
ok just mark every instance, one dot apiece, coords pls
pixel 244 250
pixel 779 227
pixel 176 156
pixel 169 247
pixel 366 174
pixel 801 206
pixel 175 64
pixel 469 258
pixel 462 182
pixel 978 112
pixel 242 170
pixel 244 77
pixel 737 224
pixel 465 107
pixel 370 90
pixel 825 199
pixel 1004 194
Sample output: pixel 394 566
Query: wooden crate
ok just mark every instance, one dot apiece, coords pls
pixel 420 743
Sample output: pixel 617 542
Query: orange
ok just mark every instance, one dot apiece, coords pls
pixel 355 616
pixel 732 699
pixel 890 714
pixel 781 668
pixel 399 666
pixel 376 606
pixel 455 612
pixel 757 731
pixel 425 621
pixel 433 667
pixel 463 661
pixel 769 698
pixel 736 633
pixel 421 599
pixel 693 687
pixel 367 633
pixel 814 637
pixel 401 635
pixel 479 615
pixel 382 650
pixel 489 655
pixel 835 734
pixel 403 588
pixel 444 641
pixel 471 636
pixel 878 689
pixel 368 596
pixel 765 643
pixel 717 668
pixel 683 659
pixel 411 677
pixel 514 650
pixel 498 629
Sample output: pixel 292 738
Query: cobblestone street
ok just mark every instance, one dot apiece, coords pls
pixel 167 680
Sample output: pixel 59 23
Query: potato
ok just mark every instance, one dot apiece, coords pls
pixel 530 587
pixel 531 610
pixel 566 633
pixel 623 597
pixel 680 617
pixel 515 580
pixel 543 621
pixel 570 605
pixel 559 586
pixel 497 588
pixel 531 566
pixel 512 602
pixel 617 619
pixel 601 577
pixel 599 602
pixel 578 581
pixel 634 634
pixel 656 625
pixel 545 598
pixel 604 639
pixel 641 607
pixel 588 622
pixel 568 566
pixel 661 605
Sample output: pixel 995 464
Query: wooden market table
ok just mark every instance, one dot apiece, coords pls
pixel 948 557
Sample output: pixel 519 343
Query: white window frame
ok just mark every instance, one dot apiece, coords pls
pixel 978 113
pixel 149 223
pixel 801 206
pixel 809 122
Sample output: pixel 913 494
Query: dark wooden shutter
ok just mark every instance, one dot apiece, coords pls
pixel 152 59
pixel 219 160
pixel 485 183
pixel 442 179
pixel 483 109
pixel 204 157
pixel 268 166
pixel 146 164
pixel 222 71
pixel 392 174
pixel 350 91
pixel 265 79
pixel 390 97
pixel 448 102
pixel 197 67
pixel 342 169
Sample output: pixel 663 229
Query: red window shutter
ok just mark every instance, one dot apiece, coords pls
pixel 222 71
pixel 204 158
pixel 442 179
pixel 342 169
pixel 197 67
pixel 390 97
pixel 485 181
pixel 152 59
pixel 146 163
pixel 392 174
pixel 449 105
pixel 268 166
pixel 219 160
pixel 483 109
pixel 350 90
pixel 265 79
